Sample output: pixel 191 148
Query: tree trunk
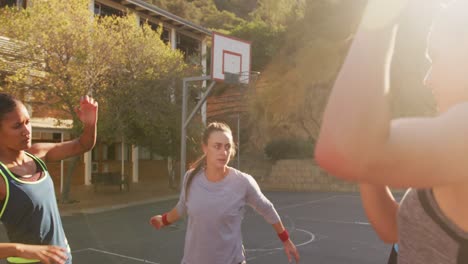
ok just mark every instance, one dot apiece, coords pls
pixel 67 180
pixel 171 172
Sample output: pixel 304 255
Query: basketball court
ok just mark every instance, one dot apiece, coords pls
pixel 328 228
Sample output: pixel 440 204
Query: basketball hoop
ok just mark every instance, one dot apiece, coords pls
pixel 230 59
pixel 248 79
pixel 231 78
pixel 230 63
pixel 244 79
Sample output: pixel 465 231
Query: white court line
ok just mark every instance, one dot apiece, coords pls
pixel 332 221
pixel 349 195
pixel 263 254
pixel 116 207
pixel 114 254
pixel 293 224
pixel 312 238
pixel 80 250
pixel 309 202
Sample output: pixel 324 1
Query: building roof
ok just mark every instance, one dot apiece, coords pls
pixel 50 124
pixel 9 55
pixel 12 58
pixel 165 16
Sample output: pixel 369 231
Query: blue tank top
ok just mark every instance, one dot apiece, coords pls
pixel 29 212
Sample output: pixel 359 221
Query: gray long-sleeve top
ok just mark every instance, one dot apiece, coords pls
pixel 215 211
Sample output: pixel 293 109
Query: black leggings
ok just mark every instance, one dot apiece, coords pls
pixel 392 259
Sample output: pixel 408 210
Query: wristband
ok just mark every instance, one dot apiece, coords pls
pixel 284 236
pixel 164 220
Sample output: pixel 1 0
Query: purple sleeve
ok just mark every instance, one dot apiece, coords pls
pixel 181 207
pixel 259 202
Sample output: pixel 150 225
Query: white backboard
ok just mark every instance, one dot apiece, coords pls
pixel 230 55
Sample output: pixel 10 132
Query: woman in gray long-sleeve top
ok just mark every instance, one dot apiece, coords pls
pixel 214 196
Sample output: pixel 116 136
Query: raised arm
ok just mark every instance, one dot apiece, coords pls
pixel 358 140
pixel 381 210
pixel 87 113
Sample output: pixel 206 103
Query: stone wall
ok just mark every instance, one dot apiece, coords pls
pixel 259 168
pixel 299 175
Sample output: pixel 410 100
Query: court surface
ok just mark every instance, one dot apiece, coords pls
pixel 328 228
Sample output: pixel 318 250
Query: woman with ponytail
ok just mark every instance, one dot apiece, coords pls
pixel 214 196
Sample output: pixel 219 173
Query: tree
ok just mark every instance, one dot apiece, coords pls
pixel 292 91
pixel 112 58
pixel 203 12
pixel 221 21
pixel 55 35
pixel 266 39
pixel 242 8
pixel 144 103
pixel 279 12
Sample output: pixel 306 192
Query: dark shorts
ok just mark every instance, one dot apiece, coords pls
pixel 392 259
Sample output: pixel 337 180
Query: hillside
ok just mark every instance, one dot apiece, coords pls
pixel 299 47
pixel 291 94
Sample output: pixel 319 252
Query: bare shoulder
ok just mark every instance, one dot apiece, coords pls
pixel 457 117
pixel 424 152
pixel 448 129
pixel 40 149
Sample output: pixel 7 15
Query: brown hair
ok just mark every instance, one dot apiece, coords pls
pixel 201 162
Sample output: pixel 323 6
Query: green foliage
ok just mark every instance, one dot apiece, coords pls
pixel 203 12
pixel 242 8
pixel 266 39
pixel 262 22
pixel 279 12
pixel 223 20
pixel 55 40
pixel 127 68
pixel 141 67
pixel 181 8
pixel 291 94
pixel 289 148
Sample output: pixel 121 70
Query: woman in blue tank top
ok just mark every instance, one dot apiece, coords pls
pixel 28 207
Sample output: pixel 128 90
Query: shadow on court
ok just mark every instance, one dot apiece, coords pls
pixel 328 228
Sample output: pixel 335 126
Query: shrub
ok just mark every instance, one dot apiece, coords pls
pixel 289 148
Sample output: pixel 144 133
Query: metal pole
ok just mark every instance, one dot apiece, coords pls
pixel 61 167
pixel 186 121
pixel 122 169
pixel 238 141
pixel 183 147
pixel 200 103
